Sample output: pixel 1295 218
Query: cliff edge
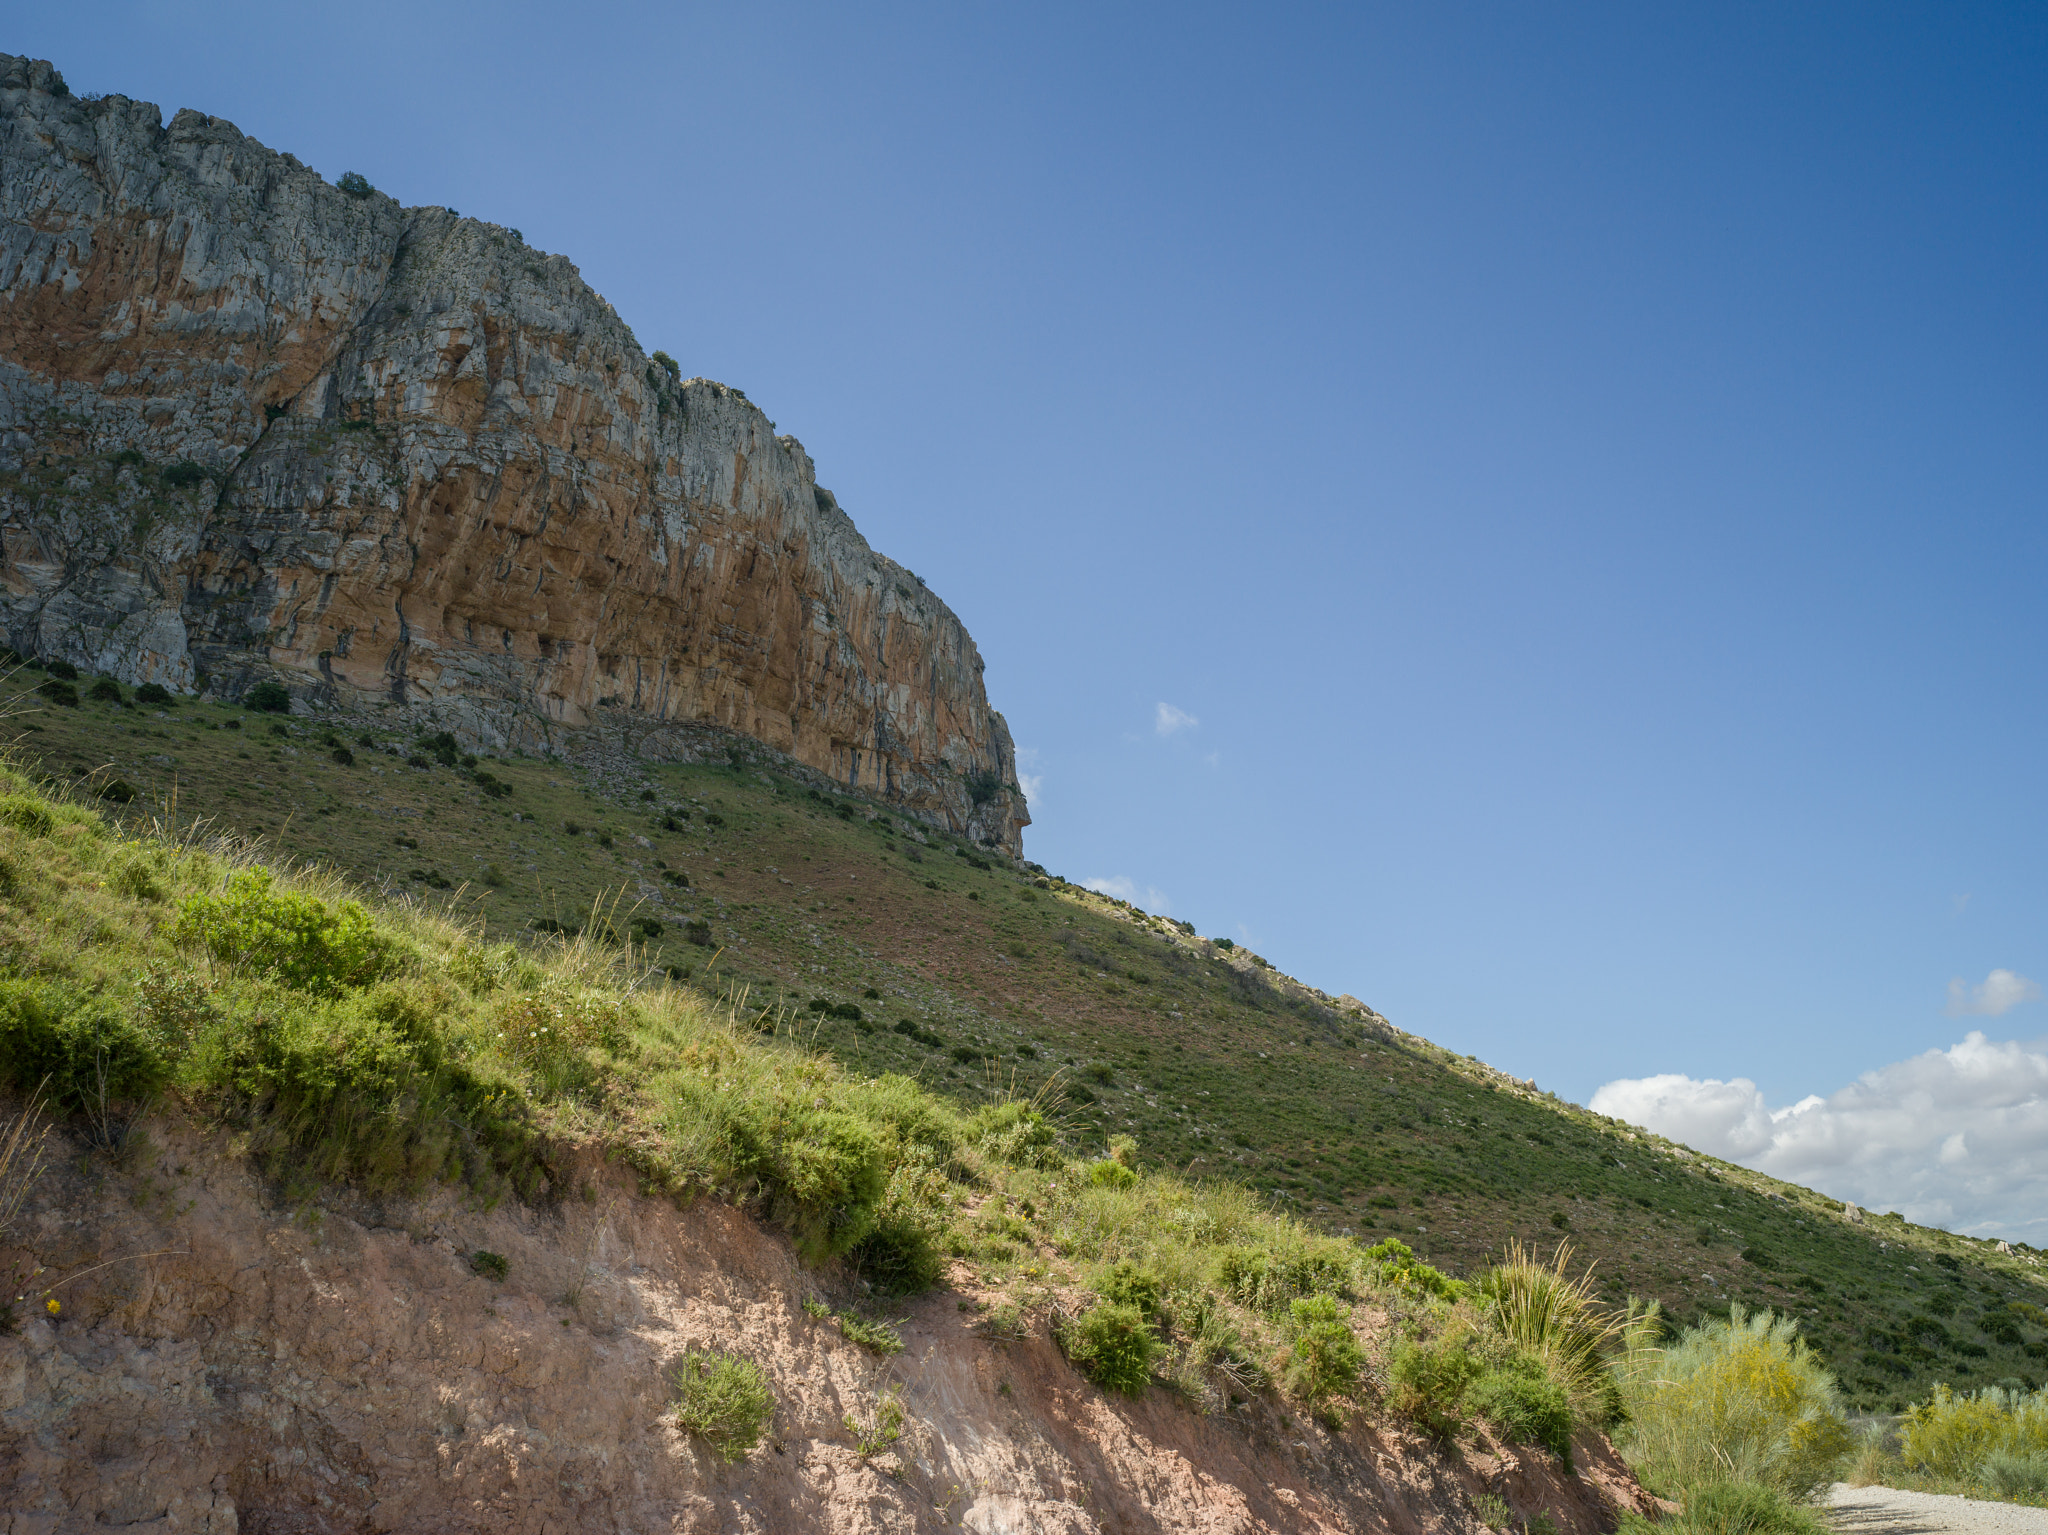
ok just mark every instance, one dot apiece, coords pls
pixel 257 427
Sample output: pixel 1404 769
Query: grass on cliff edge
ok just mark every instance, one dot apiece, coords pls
pixel 390 1046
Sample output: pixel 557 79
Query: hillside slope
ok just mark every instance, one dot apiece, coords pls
pixel 976 976
pixel 357 1220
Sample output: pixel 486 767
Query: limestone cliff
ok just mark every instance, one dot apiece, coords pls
pixel 255 426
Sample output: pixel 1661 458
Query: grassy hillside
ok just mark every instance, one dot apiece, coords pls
pixel 891 948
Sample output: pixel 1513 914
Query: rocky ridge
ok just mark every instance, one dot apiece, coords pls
pixel 257 427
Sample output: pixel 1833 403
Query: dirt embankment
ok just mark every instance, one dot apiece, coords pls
pixel 339 1367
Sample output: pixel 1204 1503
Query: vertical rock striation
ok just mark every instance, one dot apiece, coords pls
pixel 256 426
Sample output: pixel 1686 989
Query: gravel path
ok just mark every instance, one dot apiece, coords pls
pixel 1888 1511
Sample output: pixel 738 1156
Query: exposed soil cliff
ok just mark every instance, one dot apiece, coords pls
pixel 252 425
pixel 339 1367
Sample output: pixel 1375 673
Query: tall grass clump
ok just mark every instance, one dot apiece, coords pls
pixel 1542 1311
pixel 1736 1401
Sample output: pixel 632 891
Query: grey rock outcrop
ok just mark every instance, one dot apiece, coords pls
pixel 255 426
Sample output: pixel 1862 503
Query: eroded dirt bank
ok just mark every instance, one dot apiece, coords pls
pixel 340 1368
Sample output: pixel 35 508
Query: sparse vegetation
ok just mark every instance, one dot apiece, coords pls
pixel 723 1399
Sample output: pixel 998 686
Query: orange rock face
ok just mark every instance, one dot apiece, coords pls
pixel 255 427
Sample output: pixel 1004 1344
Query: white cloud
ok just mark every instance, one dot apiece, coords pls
pixel 1030 783
pixel 1149 897
pixel 1955 1137
pixel 2000 992
pixel 1169 720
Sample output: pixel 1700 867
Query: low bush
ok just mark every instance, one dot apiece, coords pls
pixel 1113 1345
pixel 286 934
pixel 724 1400
pixel 1015 1132
pixel 1427 1380
pixel 27 814
pixel 104 690
pixel 903 1251
pixel 268 698
pixel 1519 1397
pixel 1743 1399
pixel 88 1055
pixel 355 185
pixel 1324 1358
pixel 490 1265
pixel 2016 1473
pixel 876 1337
pixel 153 693
pixel 1724 1507
pixel 59 692
pixel 1951 1434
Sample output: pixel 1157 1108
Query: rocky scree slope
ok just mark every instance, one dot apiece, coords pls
pixel 253 426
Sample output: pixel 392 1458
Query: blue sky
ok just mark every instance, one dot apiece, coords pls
pixel 1578 470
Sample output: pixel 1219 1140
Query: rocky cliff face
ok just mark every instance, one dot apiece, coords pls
pixel 253 426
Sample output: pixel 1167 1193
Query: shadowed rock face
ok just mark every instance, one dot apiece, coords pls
pixel 254 427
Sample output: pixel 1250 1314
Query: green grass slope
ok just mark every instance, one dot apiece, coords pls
pixel 893 949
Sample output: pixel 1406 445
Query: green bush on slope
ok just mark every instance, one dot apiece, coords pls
pixel 1741 1400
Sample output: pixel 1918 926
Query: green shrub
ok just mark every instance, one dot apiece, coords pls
pixel 268 698
pixel 286 934
pixel 1427 1381
pixel 355 184
pixel 61 693
pixel 184 474
pixel 27 814
pixel 104 690
pixel 1743 1400
pixel 1113 1345
pixel 876 1337
pixel 1951 1435
pixel 903 1252
pixel 88 1053
pixel 1111 1174
pixel 1724 1507
pixel 1324 1358
pixel 1519 1398
pixel 153 693
pixel 489 1264
pixel 1396 1264
pixel 62 669
pixel 1268 1278
pixel 724 1400
pixel 1132 1284
pixel 1014 1132
pixel 2016 1473
pixel 550 1030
